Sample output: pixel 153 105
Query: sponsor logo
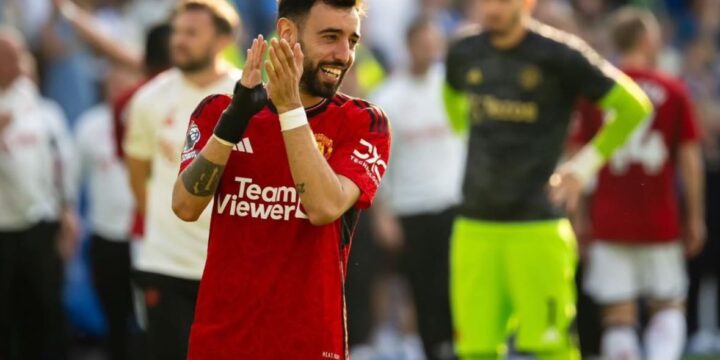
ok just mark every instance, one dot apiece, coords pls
pixel 244 146
pixel 530 77
pixel 474 76
pixel 330 355
pixel 279 203
pixel 369 158
pixel 492 108
pixel 325 145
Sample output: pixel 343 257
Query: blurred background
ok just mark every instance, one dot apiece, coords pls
pixel 84 59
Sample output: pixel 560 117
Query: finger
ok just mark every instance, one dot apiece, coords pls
pixel 276 63
pixel 572 203
pixel 299 57
pixel 261 54
pixel 270 69
pixel 288 55
pixel 258 51
pixel 249 64
pixel 282 54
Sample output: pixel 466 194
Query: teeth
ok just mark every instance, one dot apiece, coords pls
pixel 335 72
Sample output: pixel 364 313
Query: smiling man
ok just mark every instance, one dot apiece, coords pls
pixel 289 166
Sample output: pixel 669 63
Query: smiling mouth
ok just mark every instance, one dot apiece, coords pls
pixel 332 71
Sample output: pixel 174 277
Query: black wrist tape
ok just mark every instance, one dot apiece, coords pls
pixel 236 117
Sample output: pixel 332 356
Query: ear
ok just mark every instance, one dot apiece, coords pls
pixel 288 30
pixel 223 43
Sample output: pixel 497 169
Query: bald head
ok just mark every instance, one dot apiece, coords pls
pixel 11 50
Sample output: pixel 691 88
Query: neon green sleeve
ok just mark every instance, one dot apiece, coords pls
pixel 626 106
pixel 457 107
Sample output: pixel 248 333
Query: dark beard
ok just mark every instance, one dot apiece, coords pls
pixel 311 84
pixel 194 66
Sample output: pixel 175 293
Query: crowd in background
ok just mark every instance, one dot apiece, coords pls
pixel 83 59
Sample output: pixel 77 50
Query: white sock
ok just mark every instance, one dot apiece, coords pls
pixel 665 335
pixel 620 343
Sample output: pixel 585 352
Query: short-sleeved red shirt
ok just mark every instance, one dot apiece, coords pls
pixel 273 286
pixel 635 200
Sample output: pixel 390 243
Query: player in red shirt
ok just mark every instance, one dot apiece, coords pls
pixel 288 177
pixel 634 212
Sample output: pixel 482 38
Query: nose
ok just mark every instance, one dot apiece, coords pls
pixel 342 52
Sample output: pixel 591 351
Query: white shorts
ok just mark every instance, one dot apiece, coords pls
pixel 617 273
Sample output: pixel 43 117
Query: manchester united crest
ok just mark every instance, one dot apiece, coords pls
pixel 325 145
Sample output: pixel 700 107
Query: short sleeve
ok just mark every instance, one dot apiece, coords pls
pixel 201 126
pixel 139 139
pixel 689 129
pixel 588 73
pixel 364 153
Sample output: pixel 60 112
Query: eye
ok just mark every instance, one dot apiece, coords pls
pixel 353 43
pixel 330 37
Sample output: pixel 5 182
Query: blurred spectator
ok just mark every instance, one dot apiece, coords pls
pixel 641 256
pixel 156 60
pixel 384 28
pixel 171 260
pixel 110 213
pixel 415 213
pixel 38 225
pixel 258 17
pixel 109 31
pixel 700 71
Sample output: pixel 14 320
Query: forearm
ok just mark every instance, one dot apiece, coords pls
pixel 321 191
pixel 626 107
pixel 138 173
pixel 692 175
pixel 456 105
pixel 84 24
pixel 196 185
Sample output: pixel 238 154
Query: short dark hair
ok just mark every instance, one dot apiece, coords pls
pixel 628 26
pixel 296 10
pixel 224 16
pixel 157 48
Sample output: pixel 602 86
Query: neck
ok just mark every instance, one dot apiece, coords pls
pixel 637 60
pixel 308 100
pixel 511 38
pixel 208 75
pixel 419 70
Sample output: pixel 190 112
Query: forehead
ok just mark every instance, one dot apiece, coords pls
pixel 323 16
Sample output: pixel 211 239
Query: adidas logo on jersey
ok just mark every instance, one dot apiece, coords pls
pixel 244 146
pixel 280 203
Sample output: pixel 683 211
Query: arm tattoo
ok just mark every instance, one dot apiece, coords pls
pixel 202 177
pixel 300 188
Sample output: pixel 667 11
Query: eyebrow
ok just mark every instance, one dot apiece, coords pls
pixel 336 31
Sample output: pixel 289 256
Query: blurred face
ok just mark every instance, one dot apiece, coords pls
pixel 653 42
pixel 500 17
pixel 328 37
pixel 10 67
pixel 194 41
pixel 426 47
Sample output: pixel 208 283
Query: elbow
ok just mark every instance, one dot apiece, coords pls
pixel 185 212
pixel 322 217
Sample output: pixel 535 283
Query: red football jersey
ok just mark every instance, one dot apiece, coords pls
pixel 635 199
pixel 273 286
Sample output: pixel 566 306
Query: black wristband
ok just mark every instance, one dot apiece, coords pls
pixel 236 117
